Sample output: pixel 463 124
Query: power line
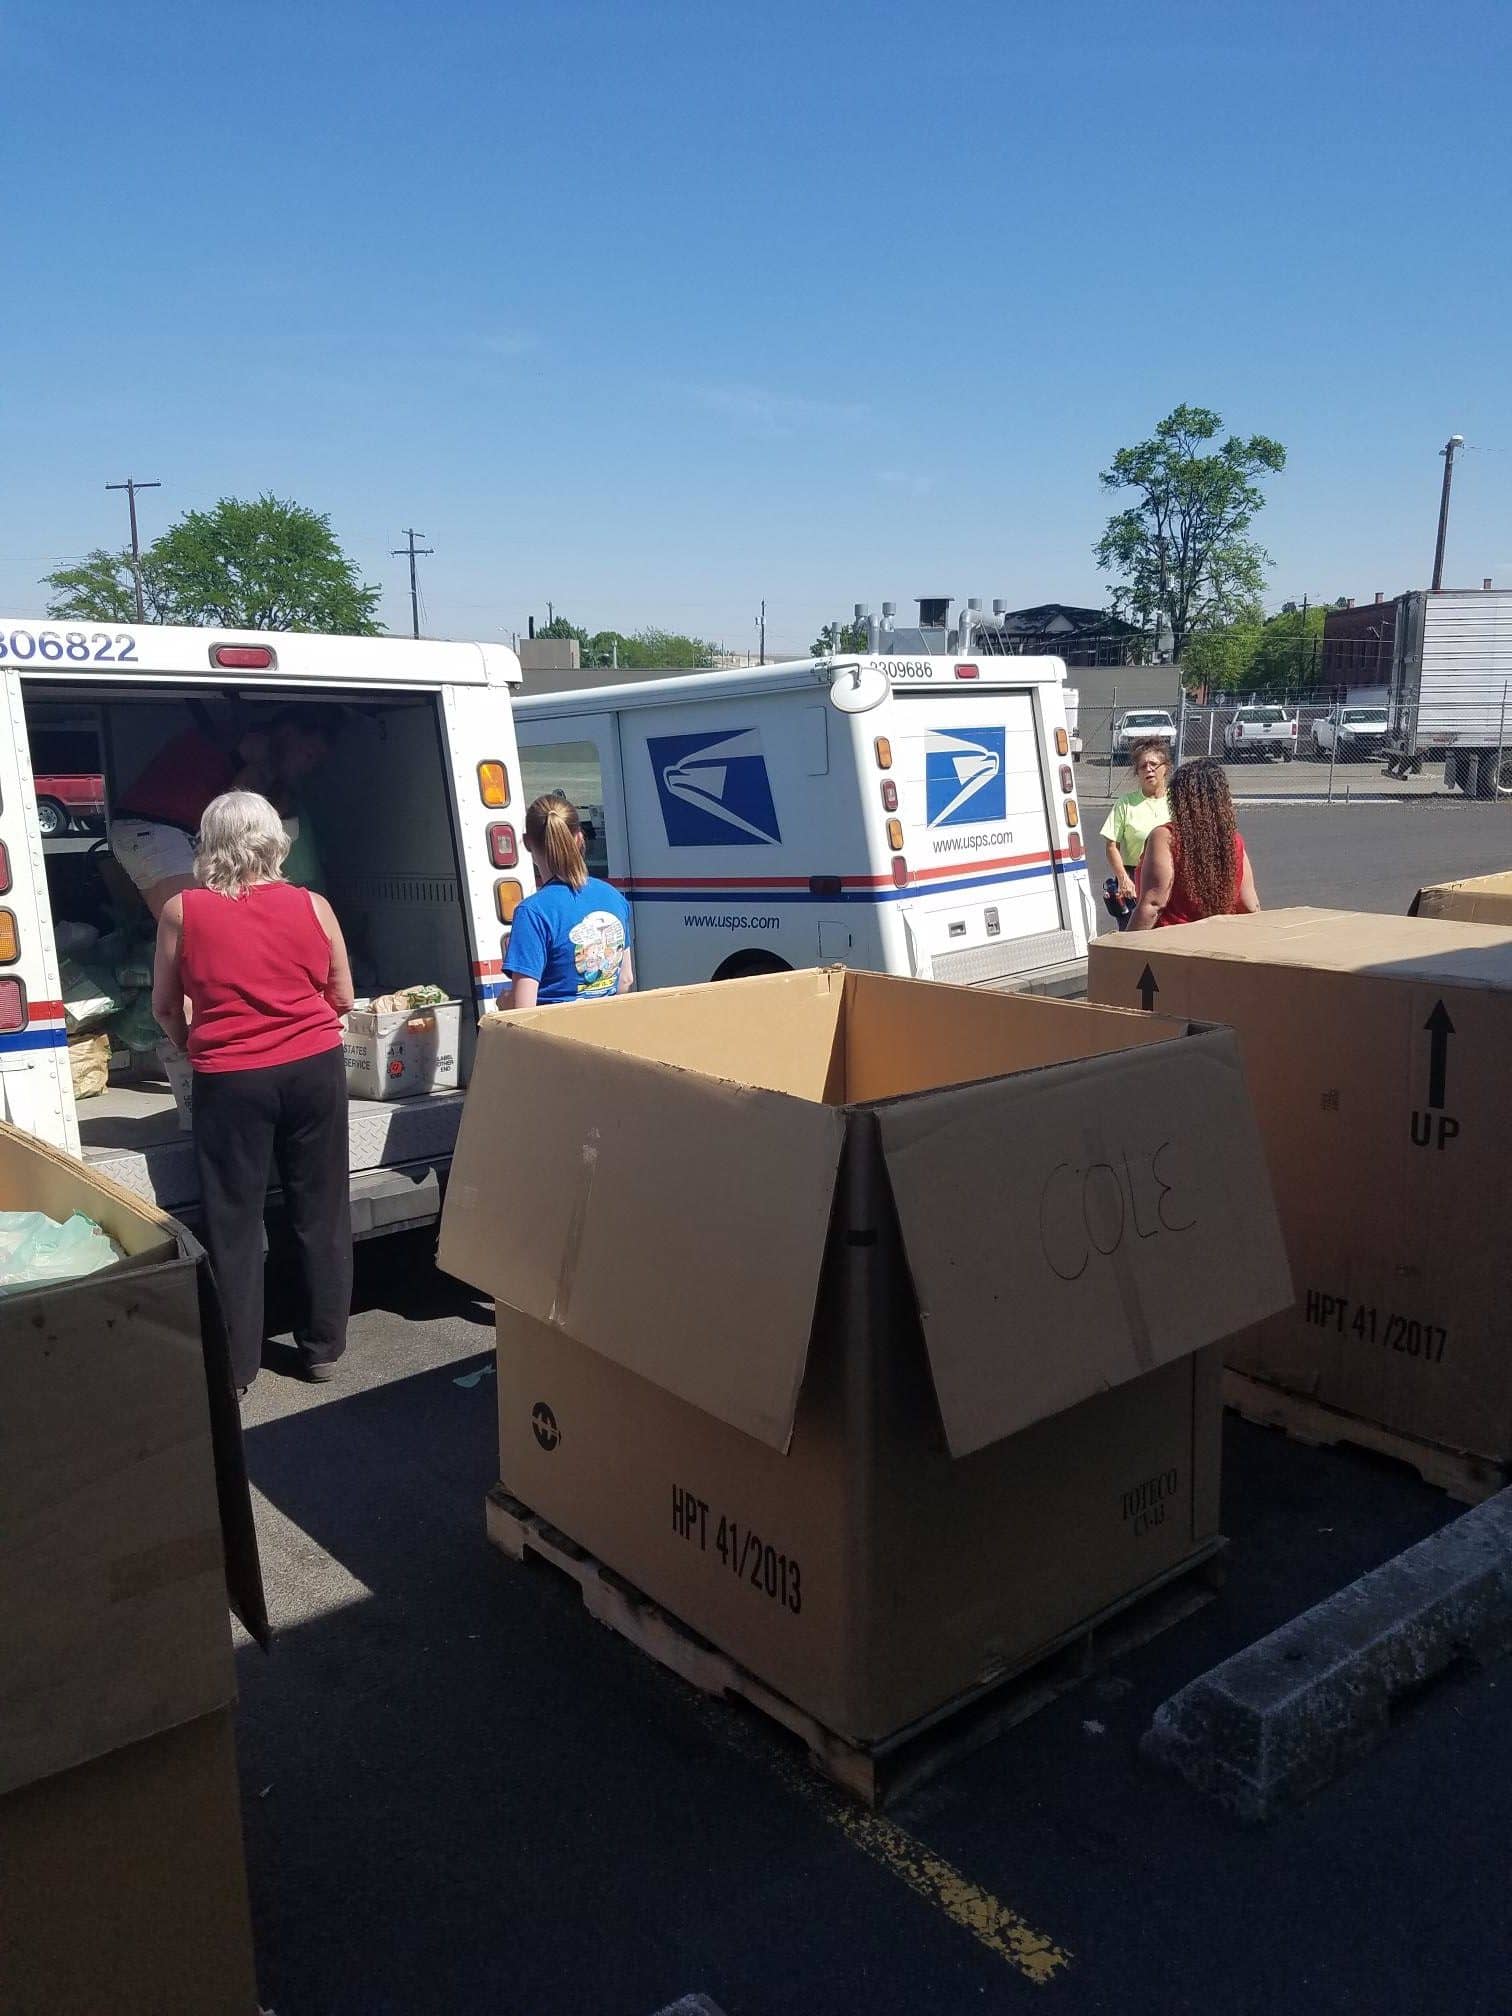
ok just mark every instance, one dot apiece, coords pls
pixel 415 552
pixel 131 487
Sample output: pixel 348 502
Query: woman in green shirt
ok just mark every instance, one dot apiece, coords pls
pixel 1132 819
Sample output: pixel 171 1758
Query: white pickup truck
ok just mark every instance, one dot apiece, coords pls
pixel 1143 724
pixel 1359 731
pixel 1257 733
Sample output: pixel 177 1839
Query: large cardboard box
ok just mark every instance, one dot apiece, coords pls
pixel 1376 1049
pixel 1481 899
pixel 125 1524
pixel 858 1321
pixel 123 1887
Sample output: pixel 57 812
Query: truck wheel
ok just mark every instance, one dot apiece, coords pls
pixel 51 818
pixel 746 965
pixel 1494 774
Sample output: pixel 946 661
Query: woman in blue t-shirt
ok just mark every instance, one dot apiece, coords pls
pixel 571 940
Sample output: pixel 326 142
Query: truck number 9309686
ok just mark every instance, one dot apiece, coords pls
pixel 73 647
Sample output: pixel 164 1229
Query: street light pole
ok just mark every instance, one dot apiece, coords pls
pixel 1447 451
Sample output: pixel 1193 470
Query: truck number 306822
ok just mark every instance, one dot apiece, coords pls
pixel 77 647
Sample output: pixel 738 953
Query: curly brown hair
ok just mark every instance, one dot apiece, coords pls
pixel 1202 815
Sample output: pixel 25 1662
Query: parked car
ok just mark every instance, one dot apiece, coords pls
pixel 65 801
pixel 1140 724
pixel 1359 731
pixel 1257 733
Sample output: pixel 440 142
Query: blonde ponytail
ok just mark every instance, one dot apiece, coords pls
pixel 554 832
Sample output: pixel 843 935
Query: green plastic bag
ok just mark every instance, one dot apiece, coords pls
pixel 36 1249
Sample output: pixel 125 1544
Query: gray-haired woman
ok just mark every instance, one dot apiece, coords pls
pixel 264 970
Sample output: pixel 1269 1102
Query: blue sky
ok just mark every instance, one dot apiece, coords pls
pixel 653 310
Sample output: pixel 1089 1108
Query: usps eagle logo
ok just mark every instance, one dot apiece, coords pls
pixel 965 780
pixel 714 789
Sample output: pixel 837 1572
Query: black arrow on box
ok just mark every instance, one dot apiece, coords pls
pixel 1440 1028
pixel 1146 989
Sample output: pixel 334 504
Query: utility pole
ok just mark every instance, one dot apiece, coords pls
pixel 1447 451
pixel 761 620
pixel 415 552
pixel 131 487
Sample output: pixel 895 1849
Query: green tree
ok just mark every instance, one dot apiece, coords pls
pixel 1180 550
pixel 1287 654
pixel 99 589
pixel 1221 660
pixel 669 648
pixel 263 565
pixel 852 637
pixel 560 627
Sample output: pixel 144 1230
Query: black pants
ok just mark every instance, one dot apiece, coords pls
pixel 245 1122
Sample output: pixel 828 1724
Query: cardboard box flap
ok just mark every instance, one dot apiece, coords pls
pixel 1480 899
pixel 672 1221
pixel 1071 1228
pixel 1436 951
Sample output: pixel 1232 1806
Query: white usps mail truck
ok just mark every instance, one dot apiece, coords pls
pixel 410 824
pixel 915 816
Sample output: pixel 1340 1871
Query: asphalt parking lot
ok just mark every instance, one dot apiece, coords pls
pixel 462 1796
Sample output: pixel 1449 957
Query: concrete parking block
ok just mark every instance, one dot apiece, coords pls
pixel 1271 1725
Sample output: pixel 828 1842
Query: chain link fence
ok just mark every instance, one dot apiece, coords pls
pixel 1310 749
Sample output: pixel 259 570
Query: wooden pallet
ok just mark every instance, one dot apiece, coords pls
pixel 1467 1479
pixel 875 1773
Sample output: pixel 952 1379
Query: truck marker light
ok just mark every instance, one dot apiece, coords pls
pixel 493 784
pixel 1072 815
pixel 968 671
pixel 884 752
pixel 1075 848
pixel 10 944
pixel 12 1006
pixel 895 835
pixel 889 795
pixel 508 896
pixel 1068 782
pixel 5 874
pixel 503 848
pixel 899 872
pixel 243 657
pixel 1062 742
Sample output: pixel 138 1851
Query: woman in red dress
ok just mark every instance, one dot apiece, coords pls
pixel 1196 866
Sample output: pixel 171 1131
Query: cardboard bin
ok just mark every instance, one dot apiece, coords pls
pixel 859 1321
pixel 125 1521
pixel 1481 899
pixel 1376 1050
pixel 402 1055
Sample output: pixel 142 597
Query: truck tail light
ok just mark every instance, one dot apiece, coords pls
pixel 889 795
pixel 1238 731
pixel 1294 728
pixel 1062 742
pixel 12 1006
pixel 968 671
pixel 503 848
pixel 1073 816
pixel 493 784
pixel 899 872
pixel 5 874
pixel 10 944
pixel 1067 781
pixel 895 835
pixel 243 657
pixel 508 896
pixel 1075 848
pixel 884 752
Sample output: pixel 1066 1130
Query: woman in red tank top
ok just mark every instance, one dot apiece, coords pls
pixel 264 970
pixel 1196 866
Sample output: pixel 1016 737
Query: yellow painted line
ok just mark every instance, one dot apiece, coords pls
pixel 989 1921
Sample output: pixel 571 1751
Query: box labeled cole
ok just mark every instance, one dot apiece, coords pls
pixel 859 1322
pixel 1376 1052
